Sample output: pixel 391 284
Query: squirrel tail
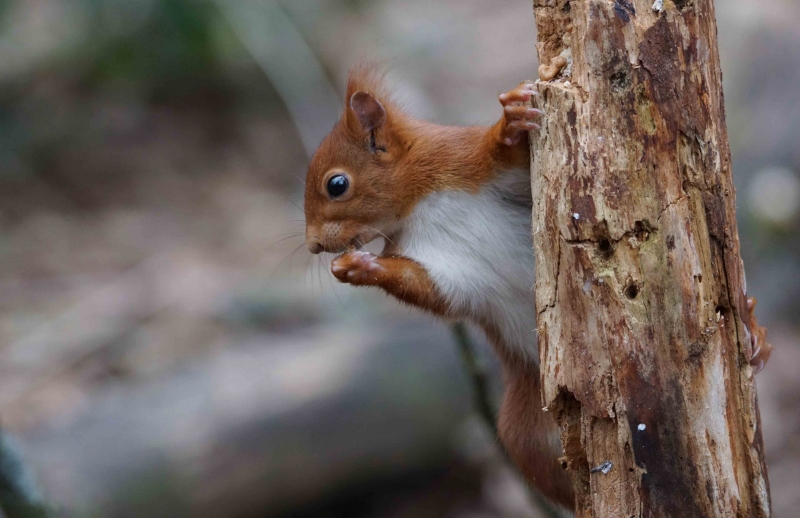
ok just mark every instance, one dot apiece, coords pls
pixel 531 436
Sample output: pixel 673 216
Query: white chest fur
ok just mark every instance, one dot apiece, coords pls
pixel 477 249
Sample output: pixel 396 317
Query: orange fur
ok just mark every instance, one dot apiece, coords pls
pixel 417 159
pixel 760 348
pixel 420 158
pixel 405 279
pixel 531 436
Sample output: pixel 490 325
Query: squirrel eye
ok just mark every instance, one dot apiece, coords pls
pixel 337 185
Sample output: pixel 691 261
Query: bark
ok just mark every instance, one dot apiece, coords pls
pixel 640 289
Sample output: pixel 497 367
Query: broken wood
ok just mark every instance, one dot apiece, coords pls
pixel 644 327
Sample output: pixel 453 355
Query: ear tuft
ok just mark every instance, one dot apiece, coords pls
pixel 368 110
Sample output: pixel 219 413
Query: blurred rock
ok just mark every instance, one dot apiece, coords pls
pixel 270 423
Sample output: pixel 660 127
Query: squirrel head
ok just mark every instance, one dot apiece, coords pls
pixel 354 181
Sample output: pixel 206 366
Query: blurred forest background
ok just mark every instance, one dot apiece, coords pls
pixel 166 349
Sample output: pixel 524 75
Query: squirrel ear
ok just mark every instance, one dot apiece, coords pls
pixel 368 110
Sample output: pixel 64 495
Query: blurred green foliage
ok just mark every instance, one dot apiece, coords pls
pixel 171 41
pixel 132 52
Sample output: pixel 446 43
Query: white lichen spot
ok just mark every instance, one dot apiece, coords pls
pixel 641 427
pixel 576 216
pixel 658 6
pixel 603 468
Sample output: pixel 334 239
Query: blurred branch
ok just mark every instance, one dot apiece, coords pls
pixel 483 404
pixel 19 495
pixel 269 35
pixel 477 373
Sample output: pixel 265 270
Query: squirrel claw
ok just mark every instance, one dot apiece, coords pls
pixel 520 94
pixel 357 268
pixel 518 116
pixel 761 349
pixel 760 356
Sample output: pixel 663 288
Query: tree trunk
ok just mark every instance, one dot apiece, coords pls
pixel 644 328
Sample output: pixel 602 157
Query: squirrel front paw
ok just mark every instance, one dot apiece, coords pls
pixel 357 268
pixel 518 117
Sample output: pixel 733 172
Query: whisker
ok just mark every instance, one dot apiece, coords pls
pixel 293 233
pixel 310 273
pixel 306 272
pixel 381 233
pixel 289 257
pixel 333 283
pixel 279 241
pixel 296 206
pixel 319 276
pixel 310 270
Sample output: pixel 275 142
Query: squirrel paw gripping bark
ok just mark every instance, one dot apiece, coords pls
pixel 518 117
pixel 758 339
pixel 760 356
pixel 357 268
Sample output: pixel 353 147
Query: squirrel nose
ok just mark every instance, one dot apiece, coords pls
pixel 314 246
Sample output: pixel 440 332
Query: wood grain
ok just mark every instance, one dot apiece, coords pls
pixel 640 288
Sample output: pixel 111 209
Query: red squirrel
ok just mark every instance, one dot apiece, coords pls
pixel 454 207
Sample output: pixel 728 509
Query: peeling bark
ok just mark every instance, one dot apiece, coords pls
pixel 643 318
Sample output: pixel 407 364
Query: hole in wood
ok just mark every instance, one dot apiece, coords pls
pixel 696 352
pixel 642 230
pixel 605 249
pixel 632 291
pixel 620 80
